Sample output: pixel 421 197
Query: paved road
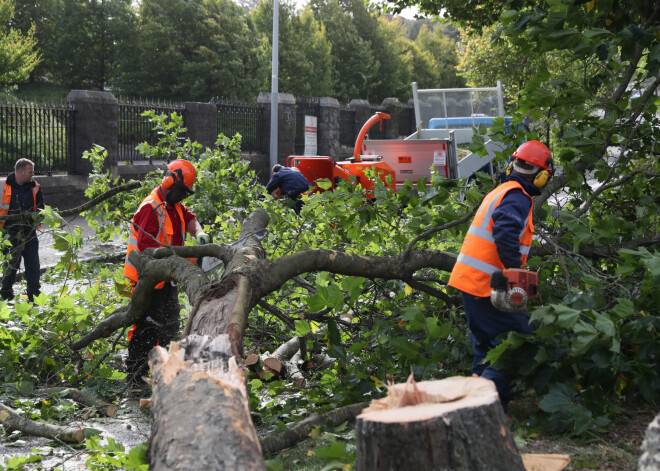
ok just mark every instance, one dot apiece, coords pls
pixel 90 248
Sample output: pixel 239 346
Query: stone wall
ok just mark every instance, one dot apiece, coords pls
pixel 96 118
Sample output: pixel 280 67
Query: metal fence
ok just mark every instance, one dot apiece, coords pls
pixel 134 128
pixel 246 119
pixel 346 126
pixel 407 121
pixel 305 106
pixel 39 132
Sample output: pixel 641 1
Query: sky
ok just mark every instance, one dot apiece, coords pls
pixel 408 13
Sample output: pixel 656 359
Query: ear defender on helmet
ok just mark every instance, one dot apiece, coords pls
pixel 544 176
pixel 171 178
pixel 180 172
pixel 509 168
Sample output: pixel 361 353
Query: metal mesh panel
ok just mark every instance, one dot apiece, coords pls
pixel 246 119
pixel 135 128
pixel 39 132
pixel 305 106
pixel 346 126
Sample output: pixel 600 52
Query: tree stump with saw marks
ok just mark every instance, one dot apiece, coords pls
pixel 451 424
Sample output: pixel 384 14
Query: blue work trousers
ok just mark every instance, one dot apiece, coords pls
pixel 25 248
pixel 486 323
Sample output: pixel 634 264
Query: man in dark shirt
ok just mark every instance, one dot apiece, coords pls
pixel 21 195
pixel 290 182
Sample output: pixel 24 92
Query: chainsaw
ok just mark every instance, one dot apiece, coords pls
pixel 511 288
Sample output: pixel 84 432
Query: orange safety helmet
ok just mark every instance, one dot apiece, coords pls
pixel 536 153
pixel 179 172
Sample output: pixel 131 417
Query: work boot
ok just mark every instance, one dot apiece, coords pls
pixel 7 295
pixel 135 372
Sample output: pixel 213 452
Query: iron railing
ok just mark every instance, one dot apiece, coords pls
pixel 305 106
pixel 246 119
pixel 42 133
pixel 407 121
pixel 135 129
pixel 346 126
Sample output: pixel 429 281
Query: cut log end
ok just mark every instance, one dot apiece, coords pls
pixel 437 423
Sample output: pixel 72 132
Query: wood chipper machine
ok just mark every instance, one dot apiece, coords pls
pixel 444 117
pixel 318 167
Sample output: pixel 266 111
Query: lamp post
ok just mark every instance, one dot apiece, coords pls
pixel 273 84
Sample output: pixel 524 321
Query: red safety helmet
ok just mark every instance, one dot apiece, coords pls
pixel 180 172
pixel 536 153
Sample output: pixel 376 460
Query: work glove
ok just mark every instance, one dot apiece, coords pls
pixel 203 238
pixel 38 217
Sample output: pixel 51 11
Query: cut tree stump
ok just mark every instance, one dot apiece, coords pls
pixel 451 424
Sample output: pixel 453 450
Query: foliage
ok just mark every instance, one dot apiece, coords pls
pixel 17 50
pixel 304 60
pixel 366 61
pixel 485 58
pixel 86 41
pixel 192 50
pixel 443 52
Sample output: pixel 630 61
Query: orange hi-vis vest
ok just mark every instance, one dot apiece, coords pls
pixel 478 258
pixel 5 191
pixel 165 232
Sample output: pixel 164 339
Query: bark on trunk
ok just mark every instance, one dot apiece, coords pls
pixel 13 421
pixel 201 418
pixel 451 424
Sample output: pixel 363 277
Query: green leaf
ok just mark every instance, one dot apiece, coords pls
pixel 302 328
pixel 624 308
pixel 605 325
pixel 566 317
pixel 336 450
pixel 558 399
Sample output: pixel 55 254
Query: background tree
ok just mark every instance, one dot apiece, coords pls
pixel 86 41
pixel 444 53
pixel 37 14
pixel 193 50
pixel 305 61
pixel 18 56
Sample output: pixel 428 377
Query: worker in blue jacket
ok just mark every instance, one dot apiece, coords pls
pixel 290 182
pixel 500 236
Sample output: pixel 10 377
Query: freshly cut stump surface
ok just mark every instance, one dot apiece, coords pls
pixel 451 424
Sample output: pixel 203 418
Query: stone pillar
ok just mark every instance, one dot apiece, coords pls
pixel 96 117
pixel 391 126
pixel 328 127
pixel 286 124
pixel 201 120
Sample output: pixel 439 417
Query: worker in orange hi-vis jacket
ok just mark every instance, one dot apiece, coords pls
pixel 499 237
pixel 161 220
pixel 21 195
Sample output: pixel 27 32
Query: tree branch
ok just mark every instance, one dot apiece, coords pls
pixel 84 207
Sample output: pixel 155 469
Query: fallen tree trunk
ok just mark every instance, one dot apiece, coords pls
pixel 11 420
pixel 451 424
pixel 201 418
pixel 299 432
pixel 81 397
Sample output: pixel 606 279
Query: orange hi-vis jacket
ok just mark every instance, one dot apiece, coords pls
pixel 165 232
pixel 478 258
pixel 5 191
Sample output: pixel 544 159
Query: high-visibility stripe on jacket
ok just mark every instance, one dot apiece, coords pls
pixel 478 258
pixel 5 191
pixel 165 231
